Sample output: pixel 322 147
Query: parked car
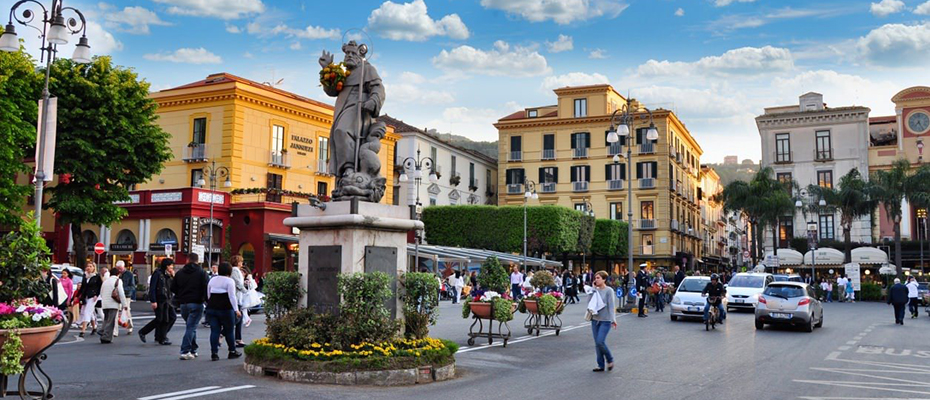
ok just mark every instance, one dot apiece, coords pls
pixel 688 302
pixel 787 278
pixel 77 273
pixel 789 303
pixel 744 289
pixel 923 292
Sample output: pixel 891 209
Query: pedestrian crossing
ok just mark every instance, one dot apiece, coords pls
pixel 198 392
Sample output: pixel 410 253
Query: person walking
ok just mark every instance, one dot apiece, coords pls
pixel 912 293
pixel 222 311
pixel 841 288
pixel 190 290
pixel 113 299
pixel 679 276
pixel 642 286
pixel 238 277
pixel 67 282
pixel 897 297
pixel 458 285
pixel 516 280
pixel 129 288
pixel 602 320
pixel 89 294
pixel 850 291
pixel 829 290
pixel 160 297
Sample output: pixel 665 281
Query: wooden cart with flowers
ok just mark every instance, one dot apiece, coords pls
pixel 487 309
pixel 543 311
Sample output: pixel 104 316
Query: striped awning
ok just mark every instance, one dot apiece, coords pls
pixel 445 253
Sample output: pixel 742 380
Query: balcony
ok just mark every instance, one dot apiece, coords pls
pixel 548 187
pixel 279 160
pixel 679 159
pixel 783 157
pixel 647 250
pixel 673 185
pixel 615 184
pixel 515 156
pixel 672 152
pixel 823 155
pixel 674 225
pixel 647 148
pixel 581 186
pixel 322 167
pixel 514 188
pixel 647 224
pixel 580 152
pixel 196 152
pixel 614 149
pixel 647 183
pixel 548 154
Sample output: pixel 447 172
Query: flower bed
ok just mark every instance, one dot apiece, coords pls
pixel 323 357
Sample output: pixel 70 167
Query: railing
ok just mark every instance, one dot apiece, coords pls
pixel 322 167
pixel 514 188
pixel 516 155
pixel 784 158
pixel 196 152
pixel 679 158
pixel 615 184
pixel 672 152
pixel 647 148
pixel 581 186
pixel 674 185
pixel 647 224
pixel 278 159
pixel 647 250
pixel 268 198
pixel 548 154
pixel 548 187
pixel 647 183
pixel 580 152
pixel 674 225
pixel 614 149
pixel 823 155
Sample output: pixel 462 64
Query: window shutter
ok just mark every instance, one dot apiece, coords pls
pixel 509 177
pixel 574 174
pixel 655 169
pixel 623 171
pixel 555 174
pixel 573 140
pixel 520 176
pixel 587 140
pixel 607 171
pixel 639 170
pixel 587 173
pixel 542 175
pixel 515 143
pixel 270 180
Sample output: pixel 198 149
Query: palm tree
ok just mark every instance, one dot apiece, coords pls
pixel 891 187
pixel 762 200
pixel 852 199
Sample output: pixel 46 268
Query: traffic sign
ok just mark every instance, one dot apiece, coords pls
pixel 99 248
pixel 168 249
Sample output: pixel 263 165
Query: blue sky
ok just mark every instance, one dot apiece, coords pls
pixel 459 65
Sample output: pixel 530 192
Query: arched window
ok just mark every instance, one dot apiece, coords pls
pixel 166 236
pixel 90 238
pixel 126 236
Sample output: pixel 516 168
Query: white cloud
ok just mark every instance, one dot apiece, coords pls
pixel 598 54
pixel 897 45
pixel 475 123
pixel 310 32
pixel 886 8
pixel 838 89
pixel 233 29
pixel 135 20
pixel 410 21
pixel 502 60
pixel 572 79
pixel 409 88
pixel 680 12
pixel 222 9
pixel 248 55
pixel 102 42
pixel 295 46
pixel 561 11
pixel 723 3
pixel 923 9
pixel 745 60
pixel 563 43
pixel 187 56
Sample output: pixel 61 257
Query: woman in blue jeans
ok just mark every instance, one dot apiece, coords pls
pixel 222 311
pixel 602 321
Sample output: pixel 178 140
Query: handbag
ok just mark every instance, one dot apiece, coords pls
pixel 115 295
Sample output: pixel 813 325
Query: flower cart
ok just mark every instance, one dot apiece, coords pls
pixel 543 311
pixel 48 326
pixel 486 310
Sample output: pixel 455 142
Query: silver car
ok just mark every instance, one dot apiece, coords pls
pixel 789 303
pixel 688 301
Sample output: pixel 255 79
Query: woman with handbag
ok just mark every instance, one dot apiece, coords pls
pixel 603 318
pixel 113 300
pixel 90 293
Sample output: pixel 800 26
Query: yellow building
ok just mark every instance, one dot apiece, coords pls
pixel 713 221
pixel 563 149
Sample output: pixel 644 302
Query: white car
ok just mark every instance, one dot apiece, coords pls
pixel 688 302
pixel 744 289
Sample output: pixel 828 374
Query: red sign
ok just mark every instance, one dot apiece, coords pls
pixel 98 248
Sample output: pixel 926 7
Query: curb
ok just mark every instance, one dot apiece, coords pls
pixel 398 377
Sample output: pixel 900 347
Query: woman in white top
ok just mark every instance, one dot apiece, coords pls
pixel 222 311
pixel 111 305
pixel 458 283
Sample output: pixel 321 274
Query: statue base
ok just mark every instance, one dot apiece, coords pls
pixel 349 237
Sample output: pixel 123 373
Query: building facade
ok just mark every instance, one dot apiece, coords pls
pixel 713 222
pixel 562 150
pixel 812 144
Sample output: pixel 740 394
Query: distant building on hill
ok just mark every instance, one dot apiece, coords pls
pixel 730 160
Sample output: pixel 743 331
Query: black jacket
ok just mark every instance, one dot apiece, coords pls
pixel 190 285
pixel 159 289
pixel 642 280
pixel 897 294
pixel 679 277
pixel 91 287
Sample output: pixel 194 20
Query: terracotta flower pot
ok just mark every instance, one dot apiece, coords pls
pixel 481 310
pixel 531 306
pixel 34 339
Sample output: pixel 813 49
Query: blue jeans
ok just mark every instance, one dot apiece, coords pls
pixel 723 313
pixel 829 296
pixel 455 294
pixel 515 291
pixel 222 321
pixel 191 313
pixel 600 329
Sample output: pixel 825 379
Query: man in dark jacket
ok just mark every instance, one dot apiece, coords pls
pixel 642 285
pixel 679 276
pixel 190 290
pixel 160 297
pixel 897 296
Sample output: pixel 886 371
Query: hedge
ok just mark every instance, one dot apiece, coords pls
pixel 609 238
pixel 550 229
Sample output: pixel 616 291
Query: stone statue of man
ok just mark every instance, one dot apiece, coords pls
pixel 357 105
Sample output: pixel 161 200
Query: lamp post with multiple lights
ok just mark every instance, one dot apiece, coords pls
pixel 811 225
pixel 416 166
pixel 213 173
pixel 588 210
pixel 530 193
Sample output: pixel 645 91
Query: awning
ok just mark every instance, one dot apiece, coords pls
pixel 869 255
pixel 888 269
pixel 824 256
pixel 786 257
pixel 282 238
pixel 460 254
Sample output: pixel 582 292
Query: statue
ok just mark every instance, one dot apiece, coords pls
pixel 355 138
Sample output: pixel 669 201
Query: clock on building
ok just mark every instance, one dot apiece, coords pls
pixel 918 122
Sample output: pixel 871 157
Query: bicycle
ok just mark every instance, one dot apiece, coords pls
pixel 713 315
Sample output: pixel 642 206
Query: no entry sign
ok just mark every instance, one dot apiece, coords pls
pixel 98 248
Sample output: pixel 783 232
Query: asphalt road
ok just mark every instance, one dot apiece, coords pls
pixel 858 354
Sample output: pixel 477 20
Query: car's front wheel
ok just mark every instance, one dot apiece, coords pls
pixel 760 325
pixel 674 318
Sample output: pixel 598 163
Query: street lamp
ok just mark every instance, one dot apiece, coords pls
pixel 53 32
pixel 621 125
pixel 811 232
pixel 416 166
pixel 213 173
pixel 588 210
pixel 530 187
pixel 922 215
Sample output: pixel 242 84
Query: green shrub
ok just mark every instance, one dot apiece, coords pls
pixel 301 328
pixel 502 309
pixel 493 276
pixel 23 254
pixel 363 316
pixel 607 233
pixel 546 304
pixel 542 279
pixel 421 303
pixel 870 292
pixel 282 293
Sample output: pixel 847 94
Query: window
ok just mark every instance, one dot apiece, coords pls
pixel 579 207
pixel 277 139
pixel 453 166
pixel 548 147
pixel 826 227
pixel 616 211
pixel 515 176
pixel 647 245
pixel 784 178
pixel 646 170
pixel 782 148
pixel 432 155
pixel 824 149
pixel 471 175
pixel 487 178
pixel 324 148
pixel 275 181
pixel 581 173
pixel 615 172
pixel 532 113
pixel 196 176
pixel 581 108
pixel 785 231
pixel 321 189
pixel 199 135
pixel 581 140
pixel 549 175
pixel 432 201
pixel 646 210
pixel 825 179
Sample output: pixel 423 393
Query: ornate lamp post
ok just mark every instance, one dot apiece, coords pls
pixel 621 125
pixel 213 173
pixel 588 210
pixel 416 166
pixel 530 187
pixel 811 225
pixel 53 31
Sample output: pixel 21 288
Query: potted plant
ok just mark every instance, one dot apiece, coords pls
pixel 492 299
pixel 455 180
pixel 26 328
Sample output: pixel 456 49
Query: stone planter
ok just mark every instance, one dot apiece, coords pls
pixel 399 377
pixel 34 339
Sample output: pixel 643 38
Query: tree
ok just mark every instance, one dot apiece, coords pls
pixel 851 198
pixel 20 88
pixel 891 187
pixel 108 141
pixel 762 200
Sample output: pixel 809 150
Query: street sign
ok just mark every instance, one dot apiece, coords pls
pixel 168 249
pixel 199 249
pixel 99 248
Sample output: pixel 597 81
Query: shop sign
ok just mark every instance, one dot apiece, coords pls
pixel 122 247
pixel 190 234
pixel 166 197
pixel 204 197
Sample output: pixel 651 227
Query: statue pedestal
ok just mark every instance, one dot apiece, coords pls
pixel 350 237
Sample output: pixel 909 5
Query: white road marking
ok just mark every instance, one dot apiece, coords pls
pixel 851 342
pixel 209 392
pixel 832 356
pixel 843 348
pixel 159 396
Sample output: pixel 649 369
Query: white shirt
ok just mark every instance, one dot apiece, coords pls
pixel 912 290
pixel 824 285
pixel 841 281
